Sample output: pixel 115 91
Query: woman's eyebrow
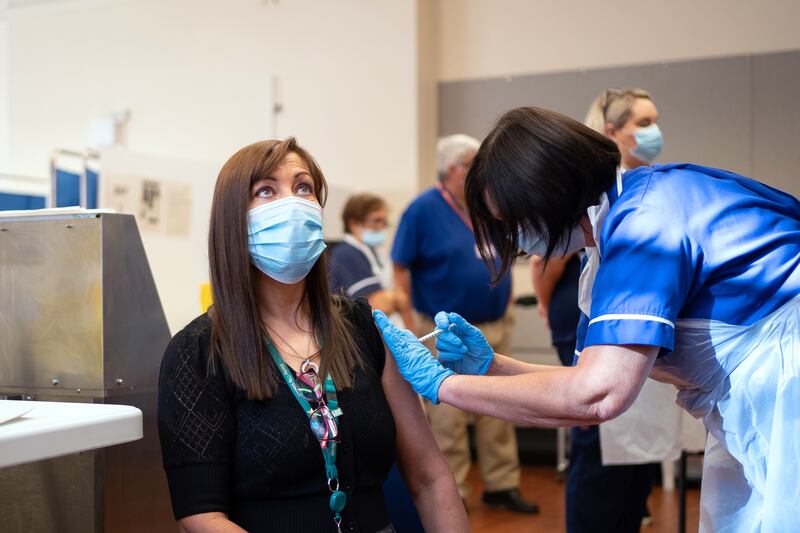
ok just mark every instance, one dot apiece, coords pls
pixel 298 175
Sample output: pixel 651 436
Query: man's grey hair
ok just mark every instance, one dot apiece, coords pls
pixel 450 150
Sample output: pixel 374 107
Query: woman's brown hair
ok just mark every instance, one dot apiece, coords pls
pixel 358 207
pixel 237 332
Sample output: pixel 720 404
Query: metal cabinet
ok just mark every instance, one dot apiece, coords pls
pixel 80 320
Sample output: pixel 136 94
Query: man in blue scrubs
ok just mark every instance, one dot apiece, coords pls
pixel 438 262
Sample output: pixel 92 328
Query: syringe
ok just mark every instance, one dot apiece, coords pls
pixel 435 333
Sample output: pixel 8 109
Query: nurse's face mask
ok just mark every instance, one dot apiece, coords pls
pixel 373 229
pixel 649 143
pixel 285 238
pixel 373 238
pixel 642 139
pixel 533 244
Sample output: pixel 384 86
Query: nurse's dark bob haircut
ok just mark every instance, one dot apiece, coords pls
pixel 537 170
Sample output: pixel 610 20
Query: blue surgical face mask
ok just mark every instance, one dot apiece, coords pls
pixel 285 238
pixel 649 143
pixel 534 244
pixel 373 237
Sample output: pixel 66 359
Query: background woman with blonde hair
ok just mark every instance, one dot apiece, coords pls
pixel 629 118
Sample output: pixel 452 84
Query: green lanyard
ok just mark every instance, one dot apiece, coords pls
pixel 338 499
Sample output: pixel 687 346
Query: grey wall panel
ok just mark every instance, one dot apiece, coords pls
pixel 704 105
pixel 704 109
pixel 776 120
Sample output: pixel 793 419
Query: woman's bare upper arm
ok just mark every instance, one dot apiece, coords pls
pixel 405 404
pixel 208 523
pixel 418 455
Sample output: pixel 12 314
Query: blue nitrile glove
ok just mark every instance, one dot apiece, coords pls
pixel 415 361
pixel 463 349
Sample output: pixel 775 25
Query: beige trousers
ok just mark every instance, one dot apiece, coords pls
pixel 495 439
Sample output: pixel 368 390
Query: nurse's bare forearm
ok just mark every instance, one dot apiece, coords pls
pixel 532 399
pixel 503 365
pixel 602 386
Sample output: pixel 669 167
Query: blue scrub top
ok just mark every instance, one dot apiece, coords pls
pixel 686 241
pixel 447 272
pixel 350 271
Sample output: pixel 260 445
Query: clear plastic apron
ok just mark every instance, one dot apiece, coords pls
pixel 744 381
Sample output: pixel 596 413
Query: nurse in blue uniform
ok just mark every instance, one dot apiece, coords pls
pixel 692 278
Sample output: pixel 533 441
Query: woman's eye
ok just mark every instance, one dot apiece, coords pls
pixel 305 189
pixel 264 192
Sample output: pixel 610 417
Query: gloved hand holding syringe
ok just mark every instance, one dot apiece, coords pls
pixel 463 350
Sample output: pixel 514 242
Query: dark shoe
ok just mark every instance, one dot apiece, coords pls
pixel 511 500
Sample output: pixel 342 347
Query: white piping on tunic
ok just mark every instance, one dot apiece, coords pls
pixel 357 286
pixel 603 318
pixel 366 250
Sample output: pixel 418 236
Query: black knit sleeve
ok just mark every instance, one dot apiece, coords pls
pixel 196 424
pixel 367 335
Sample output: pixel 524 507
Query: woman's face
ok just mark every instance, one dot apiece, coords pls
pixel 643 114
pixel 290 178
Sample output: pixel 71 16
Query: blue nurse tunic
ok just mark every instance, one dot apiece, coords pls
pixel 703 263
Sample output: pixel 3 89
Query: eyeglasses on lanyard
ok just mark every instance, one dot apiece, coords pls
pixel 307 389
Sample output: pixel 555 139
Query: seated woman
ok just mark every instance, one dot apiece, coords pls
pixel 279 409
pixel 355 269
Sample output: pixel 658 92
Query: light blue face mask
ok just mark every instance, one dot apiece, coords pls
pixel 285 238
pixel 649 143
pixel 373 238
pixel 533 244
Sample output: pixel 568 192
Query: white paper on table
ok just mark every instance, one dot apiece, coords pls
pixel 10 411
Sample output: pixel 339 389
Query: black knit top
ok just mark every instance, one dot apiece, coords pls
pixel 258 461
